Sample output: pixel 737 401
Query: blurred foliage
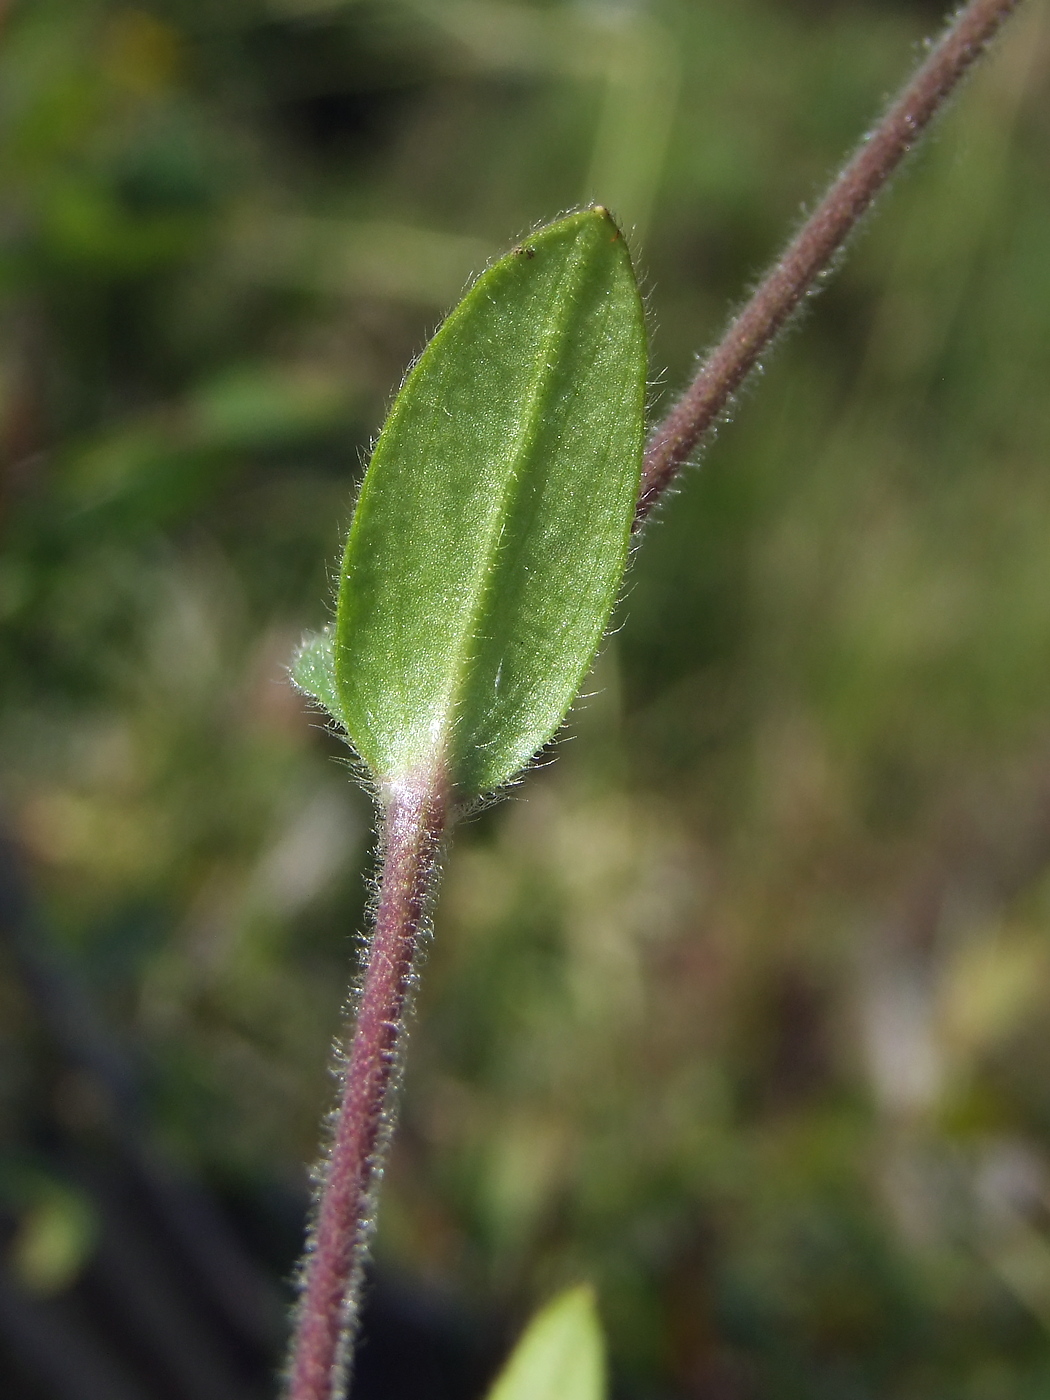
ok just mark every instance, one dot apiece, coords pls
pixel 739 1008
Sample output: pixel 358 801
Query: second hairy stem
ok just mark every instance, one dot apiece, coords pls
pixel 415 819
pixel 815 246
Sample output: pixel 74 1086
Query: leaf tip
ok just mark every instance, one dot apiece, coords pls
pixel 603 212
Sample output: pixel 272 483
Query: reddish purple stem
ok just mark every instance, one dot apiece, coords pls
pixel 415 819
pixel 814 247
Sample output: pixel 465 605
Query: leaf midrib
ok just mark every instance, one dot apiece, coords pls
pixel 556 331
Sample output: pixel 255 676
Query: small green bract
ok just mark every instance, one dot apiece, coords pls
pixel 491 532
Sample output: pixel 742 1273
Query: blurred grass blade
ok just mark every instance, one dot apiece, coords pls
pixel 491 531
pixel 561 1355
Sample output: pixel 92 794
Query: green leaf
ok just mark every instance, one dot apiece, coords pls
pixel 491 531
pixel 561 1355
pixel 313 671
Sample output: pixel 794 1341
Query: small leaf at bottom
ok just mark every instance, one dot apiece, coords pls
pixel 561 1355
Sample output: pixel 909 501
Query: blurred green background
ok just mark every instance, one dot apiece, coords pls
pixel 739 1008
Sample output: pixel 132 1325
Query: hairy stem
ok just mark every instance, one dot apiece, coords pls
pixel 415 819
pixel 815 245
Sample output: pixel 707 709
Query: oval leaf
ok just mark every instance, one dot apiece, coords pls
pixel 561 1355
pixel 491 532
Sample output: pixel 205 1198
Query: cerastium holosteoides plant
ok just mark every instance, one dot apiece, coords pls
pixel 485 554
